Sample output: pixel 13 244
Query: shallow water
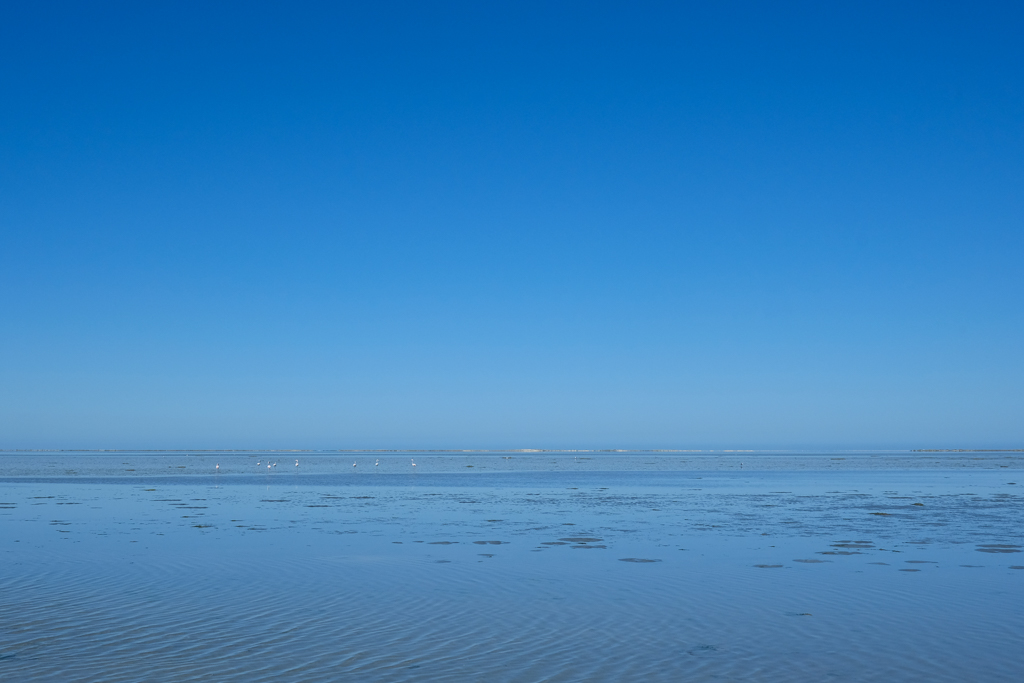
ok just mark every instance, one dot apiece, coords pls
pixel 511 567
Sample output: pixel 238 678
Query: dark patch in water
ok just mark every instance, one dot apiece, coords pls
pixel 442 543
pixel 910 570
pixel 840 552
pixel 582 539
pixel 703 648
pixel 486 554
pixel 812 561
pixel 636 559
pixel 489 542
pixel 768 566
pixel 998 548
pixel 554 543
pixel 920 561
pixel 587 547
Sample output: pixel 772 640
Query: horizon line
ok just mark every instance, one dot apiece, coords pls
pixel 508 450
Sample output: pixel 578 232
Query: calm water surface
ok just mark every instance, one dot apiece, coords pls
pixel 511 567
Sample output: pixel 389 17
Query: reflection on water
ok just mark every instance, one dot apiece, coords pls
pixel 510 567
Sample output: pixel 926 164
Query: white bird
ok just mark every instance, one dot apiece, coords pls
pixel 296 463
pixel 376 464
pixel 258 464
pixel 218 467
pixel 268 467
pixel 275 464
pixel 413 462
pixel 353 464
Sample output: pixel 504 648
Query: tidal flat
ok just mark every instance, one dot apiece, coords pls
pixel 188 566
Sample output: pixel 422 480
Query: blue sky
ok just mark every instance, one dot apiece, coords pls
pixel 487 225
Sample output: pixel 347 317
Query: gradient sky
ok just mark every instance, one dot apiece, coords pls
pixel 522 224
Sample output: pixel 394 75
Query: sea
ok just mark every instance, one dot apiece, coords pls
pixel 514 566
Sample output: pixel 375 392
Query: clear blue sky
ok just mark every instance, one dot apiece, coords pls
pixel 522 224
